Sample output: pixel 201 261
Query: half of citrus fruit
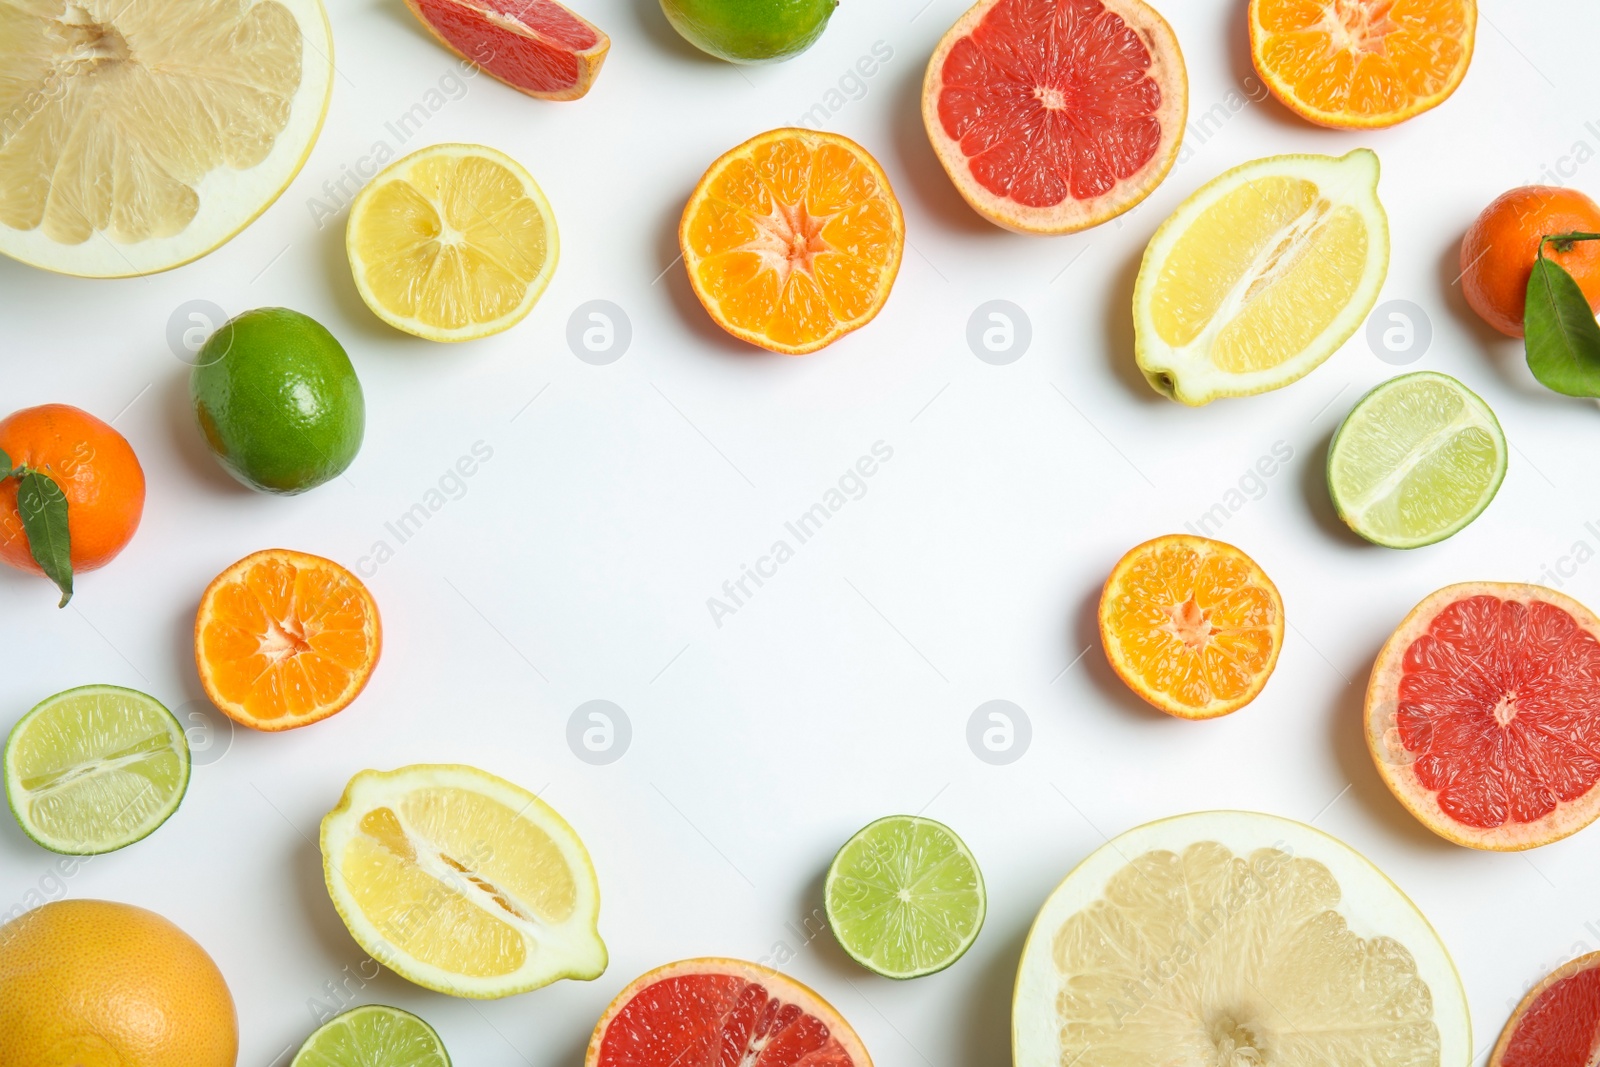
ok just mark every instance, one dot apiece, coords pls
pixel 95 769
pixel 373 1035
pixel 140 136
pixel 1260 276
pixel 462 882
pixel 285 639
pixel 1415 461
pixel 538 47
pixel 1229 937
pixel 1051 116
pixel 1483 715
pixel 452 243
pixel 722 1011
pixel 793 239
pixel 1359 64
pixel 1558 1022
pixel 1193 626
pixel 904 897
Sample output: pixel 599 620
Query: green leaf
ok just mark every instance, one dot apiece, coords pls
pixel 6 469
pixel 1563 339
pixel 44 520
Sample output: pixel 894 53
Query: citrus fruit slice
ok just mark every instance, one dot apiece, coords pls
pixel 285 639
pixel 452 243
pixel 1051 116
pixel 95 769
pixel 1558 1022
pixel 462 882
pixel 537 47
pixel 1362 63
pixel 793 239
pixel 373 1035
pixel 1193 626
pixel 1483 715
pixel 140 136
pixel 905 897
pixel 1260 276
pixel 750 31
pixel 1416 460
pixel 1232 938
pixel 725 1011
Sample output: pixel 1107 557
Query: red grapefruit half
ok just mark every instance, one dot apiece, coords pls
pixel 1052 116
pixel 706 1012
pixel 537 47
pixel 1483 715
pixel 1558 1022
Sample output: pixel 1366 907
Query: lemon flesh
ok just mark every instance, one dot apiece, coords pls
pixel 1229 939
pixel 1260 276
pixel 137 135
pixel 452 243
pixel 462 882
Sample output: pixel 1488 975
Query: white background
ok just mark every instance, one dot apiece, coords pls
pixel 619 498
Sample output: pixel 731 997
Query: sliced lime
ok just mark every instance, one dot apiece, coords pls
pixel 373 1036
pixel 95 769
pixel 1415 461
pixel 904 897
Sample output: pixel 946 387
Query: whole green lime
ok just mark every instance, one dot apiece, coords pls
pixel 750 31
pixel 278 401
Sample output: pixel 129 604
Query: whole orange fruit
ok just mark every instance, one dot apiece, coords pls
pixel 91 983
pixel 97 471
pixel 1499 250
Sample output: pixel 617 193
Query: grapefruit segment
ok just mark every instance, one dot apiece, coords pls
pixel 701 1012
pixel 1558 1022
pixel 1055 115
pixel 1483 715
pixel 537 47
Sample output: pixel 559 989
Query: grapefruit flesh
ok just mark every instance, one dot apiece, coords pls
pixel 537 47
pixel 1483 715
pixel 1055 115
pixel 1558 1022
pixel 698 1013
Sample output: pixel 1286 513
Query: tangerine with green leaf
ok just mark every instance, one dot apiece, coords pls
pixel 1499 250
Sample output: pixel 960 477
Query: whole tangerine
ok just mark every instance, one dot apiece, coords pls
pixel 97 471
pixel 1498 253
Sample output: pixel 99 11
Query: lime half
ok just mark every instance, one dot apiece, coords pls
pixel 373 1036
pixel 1415 461
pixel 905 897
pixel 95 769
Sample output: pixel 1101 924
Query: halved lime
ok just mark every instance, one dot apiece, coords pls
pixel 1415 461
pixel 95 769
pixel 904 897
pixel 373 1035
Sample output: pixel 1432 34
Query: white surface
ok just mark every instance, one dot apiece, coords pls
pixel 578 563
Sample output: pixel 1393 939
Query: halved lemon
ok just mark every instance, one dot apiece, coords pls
pixel 136 137
pixel 462 882
pixel 452 243
pixel 1260 276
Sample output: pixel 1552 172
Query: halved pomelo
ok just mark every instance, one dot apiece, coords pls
pixel 1232 938
pixel 537 47
pixel 1558 1022
pixel 135 137
pixel 1052 116
pixel 1483 715
pixel 721 1011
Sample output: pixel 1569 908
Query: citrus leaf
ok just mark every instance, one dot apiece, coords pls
pixel 6 469
pixel 43 507
pixel 1562 337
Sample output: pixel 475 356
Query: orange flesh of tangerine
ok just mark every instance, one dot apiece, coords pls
pixel 793 239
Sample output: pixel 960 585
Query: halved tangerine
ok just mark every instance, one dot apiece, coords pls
pixel 1558 1022
pixel 1483 715
pixel 720 1011
pixel 1360 64
pixel 793 239
pixel 1192 625
pixel 284 639
pixel 1052 116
